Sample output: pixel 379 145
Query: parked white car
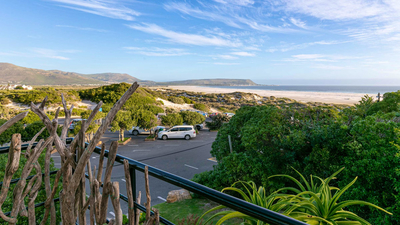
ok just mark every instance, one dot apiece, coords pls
pixel 138 130
pixel 229 114
pixel 182 131
pixel 199 126
pixel 73 123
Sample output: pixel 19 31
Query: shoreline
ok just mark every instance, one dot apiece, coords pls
pixel 301 96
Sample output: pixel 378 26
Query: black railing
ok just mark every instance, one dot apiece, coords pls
pixel 242 206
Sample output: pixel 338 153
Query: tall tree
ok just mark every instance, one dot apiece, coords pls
pixel 122 121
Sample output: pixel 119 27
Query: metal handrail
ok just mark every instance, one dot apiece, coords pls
pixel 242 206
pixel 234 203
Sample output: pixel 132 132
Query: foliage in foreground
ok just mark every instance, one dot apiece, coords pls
pixel 314 202
pixel 271 140
pixel 217 122
pixel 7 206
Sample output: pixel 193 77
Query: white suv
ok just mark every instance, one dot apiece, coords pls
pixel 182 131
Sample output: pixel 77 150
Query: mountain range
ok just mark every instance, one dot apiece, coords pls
pixel 12 74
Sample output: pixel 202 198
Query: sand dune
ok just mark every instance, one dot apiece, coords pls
pixel 303 96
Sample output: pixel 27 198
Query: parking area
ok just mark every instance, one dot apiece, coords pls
pixel 181 157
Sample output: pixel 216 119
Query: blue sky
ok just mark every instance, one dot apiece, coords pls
pixel 352 42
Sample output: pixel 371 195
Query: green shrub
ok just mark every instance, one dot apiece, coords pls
pixel 192 118
pixel 187 100
pixel 32 129
pixel 176 100
pixel 172 119
pixel 267 140
pixel 217 122
pixel 201 107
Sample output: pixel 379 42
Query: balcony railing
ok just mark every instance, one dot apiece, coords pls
pixel 234 203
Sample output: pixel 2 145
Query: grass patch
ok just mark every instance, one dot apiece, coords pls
pixel 120 142
pixel 177 211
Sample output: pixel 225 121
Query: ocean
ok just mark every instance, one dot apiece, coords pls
pixel 338 89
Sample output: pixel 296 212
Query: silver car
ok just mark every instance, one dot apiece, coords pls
pixel 183 131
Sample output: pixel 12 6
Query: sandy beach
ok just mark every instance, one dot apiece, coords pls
pixel 302 96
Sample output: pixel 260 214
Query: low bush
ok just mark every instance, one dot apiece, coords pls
pixel 192 118
pixel 172 119
pixel 176 100
pixel 217 122
pixel 201 107
pixel 268 140
pixel 187 100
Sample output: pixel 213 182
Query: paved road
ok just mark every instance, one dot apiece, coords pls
pixel 181 157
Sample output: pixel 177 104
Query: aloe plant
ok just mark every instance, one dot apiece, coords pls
pixel 315 202
pixel 251 194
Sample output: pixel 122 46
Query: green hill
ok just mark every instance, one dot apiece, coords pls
pixel 10 73
pixel 13 74
pixel 113 77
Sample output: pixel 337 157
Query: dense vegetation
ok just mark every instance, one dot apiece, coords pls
pixel 269 140
pixel 37 96
pixel 139 110
pixel 201 107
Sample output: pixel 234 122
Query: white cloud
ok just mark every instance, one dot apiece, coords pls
pixel 335 10
pixel 366 20
pixel 298 23
pixel 234 16
pixel 243 53
pixel 229 57
pixel 41 53
pixel 50 53
pixel 183 38
pixel 319 58
pixel 83 28
pixel 197 13
pixel 107 8
pixel 329 67
pixel 225 64
pixel 292 46
pixel 155 51
pixel 236 2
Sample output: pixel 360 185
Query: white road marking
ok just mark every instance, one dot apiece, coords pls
pixel 123 180
pixel 191 167
pixel 93 157
pixel 113 214
pixel 162 198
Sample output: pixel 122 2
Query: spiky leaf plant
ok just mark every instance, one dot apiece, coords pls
pixel 319 203
pixel 253 195
pixel 315 202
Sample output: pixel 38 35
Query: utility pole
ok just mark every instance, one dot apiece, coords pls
pixel 379 97
pixel 230 142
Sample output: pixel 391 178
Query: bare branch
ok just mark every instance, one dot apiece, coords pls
pixel 107 180
pixel 148 203
pixel 12 121
pixel 86 156
pixel 11 167
pixel 131 200
pixel 101 160
pixel 41 107
pixel 115 202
